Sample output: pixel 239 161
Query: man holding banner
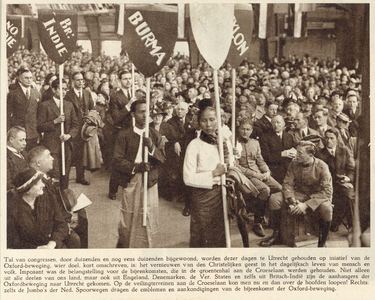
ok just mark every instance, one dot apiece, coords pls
pixel 49 123
pixel 128 162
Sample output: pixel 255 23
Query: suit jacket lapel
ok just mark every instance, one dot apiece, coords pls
pixel 54 107
pixel 338 157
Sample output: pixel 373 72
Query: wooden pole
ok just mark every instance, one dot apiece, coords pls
pixel 133 81
pixel 145 174
pixel 221 153
pixel 61 74
pixel 234 107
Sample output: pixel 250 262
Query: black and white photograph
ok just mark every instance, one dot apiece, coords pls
pixel 138 132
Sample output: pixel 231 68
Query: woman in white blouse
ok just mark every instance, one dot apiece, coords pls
pixel 202 171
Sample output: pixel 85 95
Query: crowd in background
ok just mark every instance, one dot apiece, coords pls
pixel 304 91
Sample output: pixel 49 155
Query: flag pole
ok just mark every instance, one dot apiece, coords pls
pixel 133 81
pixel 145 174
pixel 61 74
pixel 221 153
pixel 234 107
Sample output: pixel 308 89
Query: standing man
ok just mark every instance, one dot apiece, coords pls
pixel 128 162
pixel 307 187
pixel 22 104
pixel 16 161
pixel 83 103
pixel 49 123
pixel 180 123
pixel 120 110
pixel 341 165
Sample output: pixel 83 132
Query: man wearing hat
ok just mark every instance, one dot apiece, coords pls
pixel 343 123
pixel 168 135
pixel 307 187
pixel 341 165
pixel 22 105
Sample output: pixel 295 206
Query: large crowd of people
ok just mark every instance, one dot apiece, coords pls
pixel 295 142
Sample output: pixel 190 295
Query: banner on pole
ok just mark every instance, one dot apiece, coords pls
pixel 58 32
pixel 13 35
pixel 150 34
pixel 212 26
pixel 242 34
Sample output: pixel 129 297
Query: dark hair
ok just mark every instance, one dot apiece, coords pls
pixel 56 82
pixel 35 153
pixel 203 108
pixel 75 74
pixel 269 103
pixel 48 78
pixel 105 95
pixel 309 146
pixel 134 105
pixel 122 73
pixel 332 130
pixel 12 132
pixel 22 70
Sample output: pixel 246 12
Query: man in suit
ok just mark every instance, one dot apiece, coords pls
pixel 302 130
pixel 49 123
pixel 16 161
pixel 343 123
pixel 22 104
pixel 353 111
pixel 41 160
pixel 321 117
pixel 129 163
pixel 119 109
pixel 341 165
pixel 82 103
pixel 307 187
pixel 337 107
pixel 277 148
pixel 264 125
pixel 180 123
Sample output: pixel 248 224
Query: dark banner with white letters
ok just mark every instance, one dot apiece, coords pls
pixel 242 34
pixel 58 32
pixel 13 35
pixel 150 34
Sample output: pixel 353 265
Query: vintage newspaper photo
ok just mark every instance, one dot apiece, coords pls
pixel 186 150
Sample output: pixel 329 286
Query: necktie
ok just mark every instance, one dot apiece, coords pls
pixel 303 134
pixel 332 153
pixel 80 95
pixel 344 133
pixel 27 94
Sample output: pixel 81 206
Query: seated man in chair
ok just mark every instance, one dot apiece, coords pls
pixel 341 165
pixel 307 187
